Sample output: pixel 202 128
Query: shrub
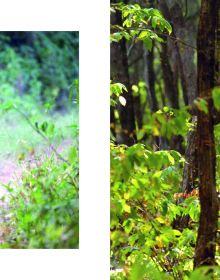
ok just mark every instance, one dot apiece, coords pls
pixel 43 209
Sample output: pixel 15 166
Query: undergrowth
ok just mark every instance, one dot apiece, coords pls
pixel 43 208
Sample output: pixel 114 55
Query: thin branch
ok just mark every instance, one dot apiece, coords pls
pixel 176 39
pixel 131 47
pixel 42 135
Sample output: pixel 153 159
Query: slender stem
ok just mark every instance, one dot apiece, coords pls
pixel 176 39
pixel 41 134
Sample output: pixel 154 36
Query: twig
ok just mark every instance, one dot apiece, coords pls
pixel 131 47
pixel 42 135
pixel 163 34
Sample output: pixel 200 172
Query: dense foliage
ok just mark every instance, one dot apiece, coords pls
pixel 145 202
pixel 44 208
pixel 39 65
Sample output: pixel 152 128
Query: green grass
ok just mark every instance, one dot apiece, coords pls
pixel 17 136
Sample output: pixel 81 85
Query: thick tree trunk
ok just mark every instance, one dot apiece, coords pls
pixel 119 73
pixel 206 239
pixel 217 48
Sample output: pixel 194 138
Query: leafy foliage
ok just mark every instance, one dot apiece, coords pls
pixel 44 208
pixel 140 23
pixel 155 206
pixel 115 91
pixel 36 66
pixel 141 228
pixel 216 97
pixel 144 196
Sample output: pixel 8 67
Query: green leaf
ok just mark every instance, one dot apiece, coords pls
pixel 44 126
pixel 113 103
pixel 216 97
pixel 148 43
pixel 73 154
pixel 143 34
pixel 126 208
pixel 171 159
pixel 116 37
pixel 154 21
pixel 135 89
pixel 6 106
pixel 202 105
pixel 127 23
pixel 168 27
pixel 117 89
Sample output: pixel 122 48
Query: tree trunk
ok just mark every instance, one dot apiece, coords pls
pixel 217 48
pixel 149 78
pixel 190 171
pixel 135 76
pixel 112 122
pixel 185 29
pixel 170 87
pixel 206 239
pixel 119 73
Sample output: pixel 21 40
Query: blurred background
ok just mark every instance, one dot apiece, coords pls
pixel 38 78
pixel 39 98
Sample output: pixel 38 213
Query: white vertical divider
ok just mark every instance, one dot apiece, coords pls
pixel 91 18
pixel 94 141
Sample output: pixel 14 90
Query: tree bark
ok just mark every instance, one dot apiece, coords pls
pixel 149 78
pixel 170 87
pixel 206 239
pixel 186 30
pixel 136 75
pixel 119 73
pixel 217 48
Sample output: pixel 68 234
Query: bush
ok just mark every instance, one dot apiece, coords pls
pixel 44 207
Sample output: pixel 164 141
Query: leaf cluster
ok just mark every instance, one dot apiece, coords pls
pixel 141 24
pixel 143 208
pixel 44 207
